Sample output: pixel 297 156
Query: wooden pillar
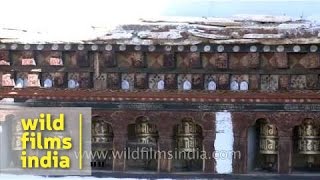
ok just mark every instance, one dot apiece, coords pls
pixel 165 147
pixel 285 155
pixel 120 124
pixel 96 65
pixel 241 157
pixel 119 146
pixel 209 162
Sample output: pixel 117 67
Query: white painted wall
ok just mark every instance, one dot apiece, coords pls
pixel 223 142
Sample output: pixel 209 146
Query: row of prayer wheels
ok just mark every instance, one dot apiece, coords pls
pixel 308 141
pixel 188 134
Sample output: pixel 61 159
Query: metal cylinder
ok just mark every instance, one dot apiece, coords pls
pixel 268 139
pixel 17 133
pixel 309 139
pixel 188 136
pixel 101 132
pixel 145 132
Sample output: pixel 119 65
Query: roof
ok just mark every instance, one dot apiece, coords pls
pixel 239 29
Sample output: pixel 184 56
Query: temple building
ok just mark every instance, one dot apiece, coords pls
pixel 243 90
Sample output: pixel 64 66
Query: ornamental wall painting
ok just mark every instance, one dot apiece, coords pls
pixel 157 81
pixel 211 82
pixel 298 81
pixel 52 58
pixel 24 58
pixel 269 82
pixel 160 60
pixel 130 60
pixel 76 59
pixel 304 60
pixel 243 60
pixel 185 82
pixel 170 81
pixel 4 58
pixel 188 60
pixel 214 60
pixel 7 80
pixel 113 80
pixel 274 60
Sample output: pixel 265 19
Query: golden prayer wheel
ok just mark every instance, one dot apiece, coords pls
pixel 269 143
pixel 188 136
pixel 101 132
pixel 309 140
pixel 145 132
pixel 17 133
pixel 102 138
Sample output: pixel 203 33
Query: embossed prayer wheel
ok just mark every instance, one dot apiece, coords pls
pixel 269 143
pixel 188 136
pixel 101 132
pixel 17 133
pixel 102 138
pixel 309 140
pixel 146 133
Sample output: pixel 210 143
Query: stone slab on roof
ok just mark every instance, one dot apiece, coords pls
pixel 262 29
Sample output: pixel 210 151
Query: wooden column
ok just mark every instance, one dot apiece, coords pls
pixel 240 162
pixel 96 65
pixel 285 155
pixel 120 124
pixel 165 146
pixel 209 162
pixel 119 145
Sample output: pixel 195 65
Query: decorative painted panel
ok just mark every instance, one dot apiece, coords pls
pixel 79 80
pixel 274 60
pixel 188 60
pixel 107 59
pixel 269 82
pixel 25 58
pixel 239 78
pixel 298 82
pixel 156 81
pixel 265 82
pixel 74 59
pixel 113 80
pixel 214 60
pixel 7 80
pixel 211 82
pixel 185 82
pixel 239 82
pixel 33 80
pixel 25 79
pixel 254 81
pixel 312 81
pixel 160 60
pixel 141 81
pixel 53 58
pixel 243 60
pixel 284 82
pixel 170 81
pixel 197 81
pixel 304 60
pixel 101 81
pixel 273 82
pixel 4 58
pixel 155 60
pixel 130 59
pixel 169 60
pixel 127 81
pixel 73 80
pixel 21 80
pixel 223 81
pixel 84 80
pixel 57 79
